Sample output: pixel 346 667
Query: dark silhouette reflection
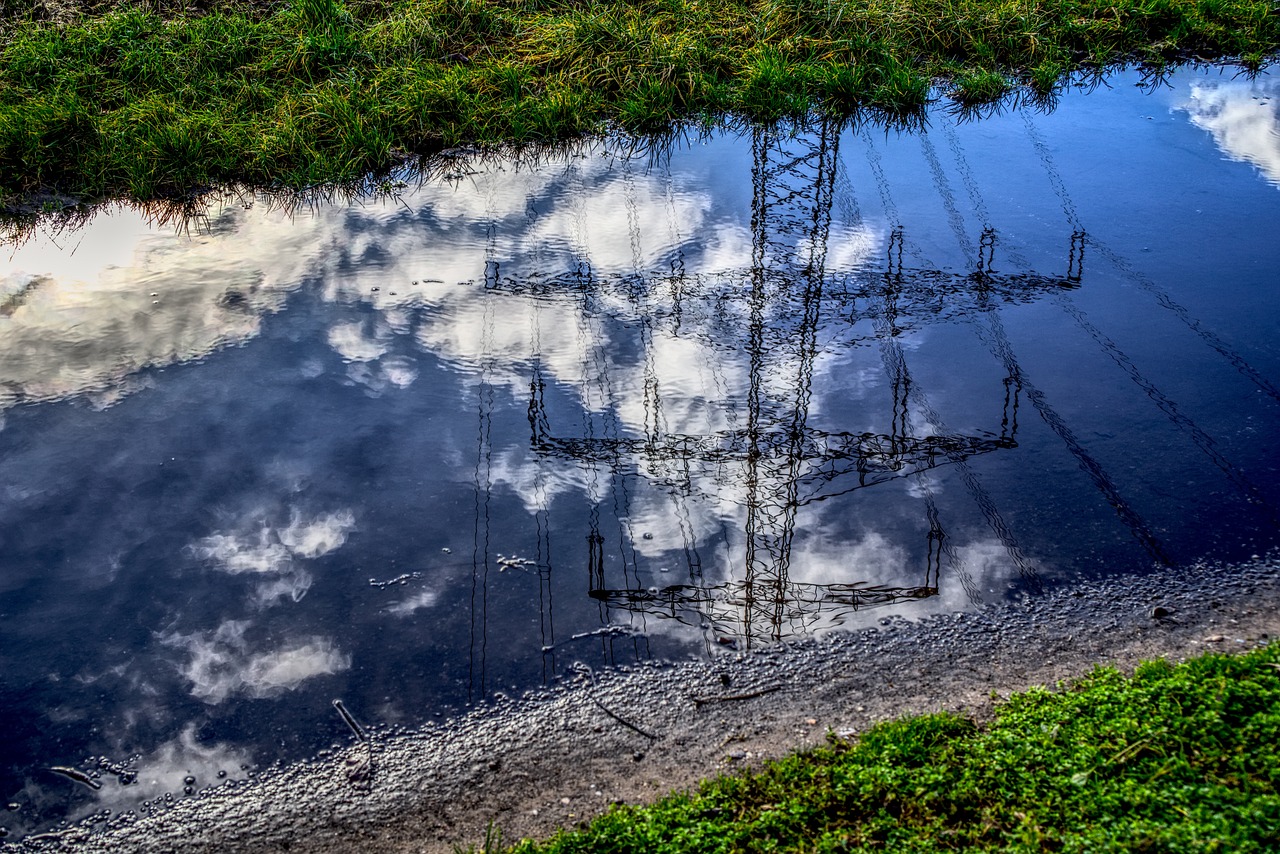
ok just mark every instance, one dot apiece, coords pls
pixel 994 332
pixel 609 407
pixel 771 314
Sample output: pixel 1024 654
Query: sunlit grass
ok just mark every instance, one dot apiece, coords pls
pixel 1174 759
pixel 153 101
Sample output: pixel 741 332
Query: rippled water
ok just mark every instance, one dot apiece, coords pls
pixel 614 405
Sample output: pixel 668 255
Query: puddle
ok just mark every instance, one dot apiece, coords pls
pixel 614 407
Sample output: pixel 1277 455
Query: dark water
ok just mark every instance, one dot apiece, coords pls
pixel 600 408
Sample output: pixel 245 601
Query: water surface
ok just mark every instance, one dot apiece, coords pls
pixel 610 405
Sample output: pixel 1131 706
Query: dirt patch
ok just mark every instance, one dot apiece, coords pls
pixel 634 734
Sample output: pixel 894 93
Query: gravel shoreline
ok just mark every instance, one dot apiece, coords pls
pixel 632 735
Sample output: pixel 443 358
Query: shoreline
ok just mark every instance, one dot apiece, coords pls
pixel 103 99
pixel 632 735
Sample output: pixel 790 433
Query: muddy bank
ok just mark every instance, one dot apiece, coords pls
pixel 631 735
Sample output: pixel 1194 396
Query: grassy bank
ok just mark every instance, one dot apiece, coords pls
pixel 1177 759
pixel 97 99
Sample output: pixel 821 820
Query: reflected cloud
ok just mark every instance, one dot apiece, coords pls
pixel 1243 117
pixel 415 603
pixel 312 538
pixel 261 552
pixel 221 664
pixel 379 377
pixel 351 343
pixel 84 318
pixel 127 297
pixel 166 770
pixel 273 551
pixel 291 586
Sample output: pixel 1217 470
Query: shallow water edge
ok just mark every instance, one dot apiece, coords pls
pixel 613 411
pixel 633 735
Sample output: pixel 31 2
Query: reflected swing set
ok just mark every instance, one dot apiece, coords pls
pixel 775 457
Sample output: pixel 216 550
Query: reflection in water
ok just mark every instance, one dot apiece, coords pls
pixel 596 409
pixel 1244 120
pixel 777 306
pixel 150 301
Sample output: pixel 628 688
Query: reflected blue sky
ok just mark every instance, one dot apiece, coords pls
pixel 416 450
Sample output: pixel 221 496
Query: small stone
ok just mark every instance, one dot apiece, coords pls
pixel 1214 639
pixel 1159 612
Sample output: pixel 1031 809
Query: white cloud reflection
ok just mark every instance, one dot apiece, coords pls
pixel 120 296
pixel 1243 117
pixel 221 664
pixel 353 344
pixel 449 271
pixel 266 549
pixel 312 538
pixel 256 548
pixel 85 318
pixel 166 770
pixel 417 602
pixel 260 552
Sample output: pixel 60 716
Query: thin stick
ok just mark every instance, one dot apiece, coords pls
pixel 701 701
pixel 351 722
pixel 76 775
pixel 626 723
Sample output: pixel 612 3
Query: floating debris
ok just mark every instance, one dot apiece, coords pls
pixel 611 630
pixel 595 687
pixel 403 578
pixel 513 562
pixel 77 775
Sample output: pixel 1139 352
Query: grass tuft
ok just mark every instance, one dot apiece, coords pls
pixel 979 87
pixel 112 96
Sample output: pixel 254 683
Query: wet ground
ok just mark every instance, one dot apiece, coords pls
pixel 600 411
pixel 630 735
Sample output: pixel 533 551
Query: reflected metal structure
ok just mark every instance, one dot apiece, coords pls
pixel 781 302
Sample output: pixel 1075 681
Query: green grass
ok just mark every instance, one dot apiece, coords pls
pixel 1174 759
pixel 168 95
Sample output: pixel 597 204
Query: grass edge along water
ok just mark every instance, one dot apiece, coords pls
pixel 155 100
